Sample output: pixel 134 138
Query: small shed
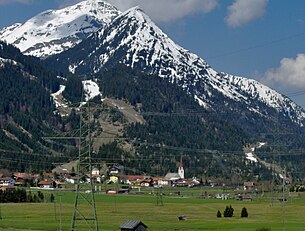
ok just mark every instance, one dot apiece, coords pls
pixel 249 185
pixel 135 225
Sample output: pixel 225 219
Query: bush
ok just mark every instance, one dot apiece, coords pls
pixel 52 198
pixel 35 198
pixel 40 196
pixel 244 212
pixel 302 189
pixel 218 214
pixel 263 229
pixel 228 211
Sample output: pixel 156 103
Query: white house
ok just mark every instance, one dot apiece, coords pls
pixel 95 172
pixel 7 181
pixel 47 184
pixel 158 181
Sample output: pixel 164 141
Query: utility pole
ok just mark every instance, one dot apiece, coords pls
pixel 84 213
pixel 60 211
pixel 159 192
pixel 275 149
pixel 159 196
pixel 283 200
pixel 55 212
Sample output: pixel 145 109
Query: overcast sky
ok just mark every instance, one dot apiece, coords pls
pixel 259 39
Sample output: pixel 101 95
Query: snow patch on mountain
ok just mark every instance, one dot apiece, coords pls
pixel 3 62
pixel 54 31
pixel 91 89
pixel 251 155
pixel 200 102
pixel 72 69
pixel 62 104
pixel 57 97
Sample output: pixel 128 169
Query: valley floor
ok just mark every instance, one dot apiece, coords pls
pixel 113 210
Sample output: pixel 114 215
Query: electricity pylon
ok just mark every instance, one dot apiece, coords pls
pixel 159 196
pixel 84 213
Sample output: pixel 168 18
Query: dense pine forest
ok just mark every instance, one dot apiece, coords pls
pixel 27 112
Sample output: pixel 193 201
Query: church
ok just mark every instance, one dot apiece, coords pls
pixel 178 175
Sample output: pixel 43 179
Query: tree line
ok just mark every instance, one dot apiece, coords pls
pixel 22 196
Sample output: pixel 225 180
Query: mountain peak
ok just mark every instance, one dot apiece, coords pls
pixel 95 6
pixel 134 31
pixel 137 13
pixel 134 10
pixel 54 31
pixel 134 40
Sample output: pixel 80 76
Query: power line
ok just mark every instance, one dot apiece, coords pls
pixel 202 151
pixel 31 153
pixel 257 46
pixel 297 93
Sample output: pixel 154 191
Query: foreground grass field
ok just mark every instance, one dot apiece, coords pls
pixel 113 210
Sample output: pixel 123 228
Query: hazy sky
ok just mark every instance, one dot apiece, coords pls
pixel 259 39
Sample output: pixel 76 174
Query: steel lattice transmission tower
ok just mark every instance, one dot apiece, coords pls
pixel 84 213
pixel 159 196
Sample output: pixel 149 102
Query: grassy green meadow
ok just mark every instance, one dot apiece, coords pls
pixel 113 210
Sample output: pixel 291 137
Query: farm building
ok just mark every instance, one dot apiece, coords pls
pixel 249 186
pixel 47 184
pixel 131 225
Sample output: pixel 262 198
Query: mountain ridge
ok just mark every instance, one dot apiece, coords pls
pixel 134 40
pixel 54 31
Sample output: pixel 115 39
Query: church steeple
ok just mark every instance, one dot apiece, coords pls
pixel 181 170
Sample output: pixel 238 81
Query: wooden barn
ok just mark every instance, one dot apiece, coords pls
pixel 135 225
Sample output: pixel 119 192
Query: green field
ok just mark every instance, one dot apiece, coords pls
pixel 113 210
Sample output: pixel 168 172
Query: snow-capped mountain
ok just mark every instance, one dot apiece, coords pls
pixel 134 40
pixel 54 31
pixel 93 37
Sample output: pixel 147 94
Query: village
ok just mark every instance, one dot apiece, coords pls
pixel 58 187
pixel 118 183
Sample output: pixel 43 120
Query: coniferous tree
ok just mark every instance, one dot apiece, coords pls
pixel 40 196
pixel 228 212
pixel 244 212
pixel 52 198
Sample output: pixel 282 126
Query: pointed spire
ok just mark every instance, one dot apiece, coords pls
pixel 181 166
pixel 180 169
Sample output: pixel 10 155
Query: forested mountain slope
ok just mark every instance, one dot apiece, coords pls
pixel 26 111
pixel 190 109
